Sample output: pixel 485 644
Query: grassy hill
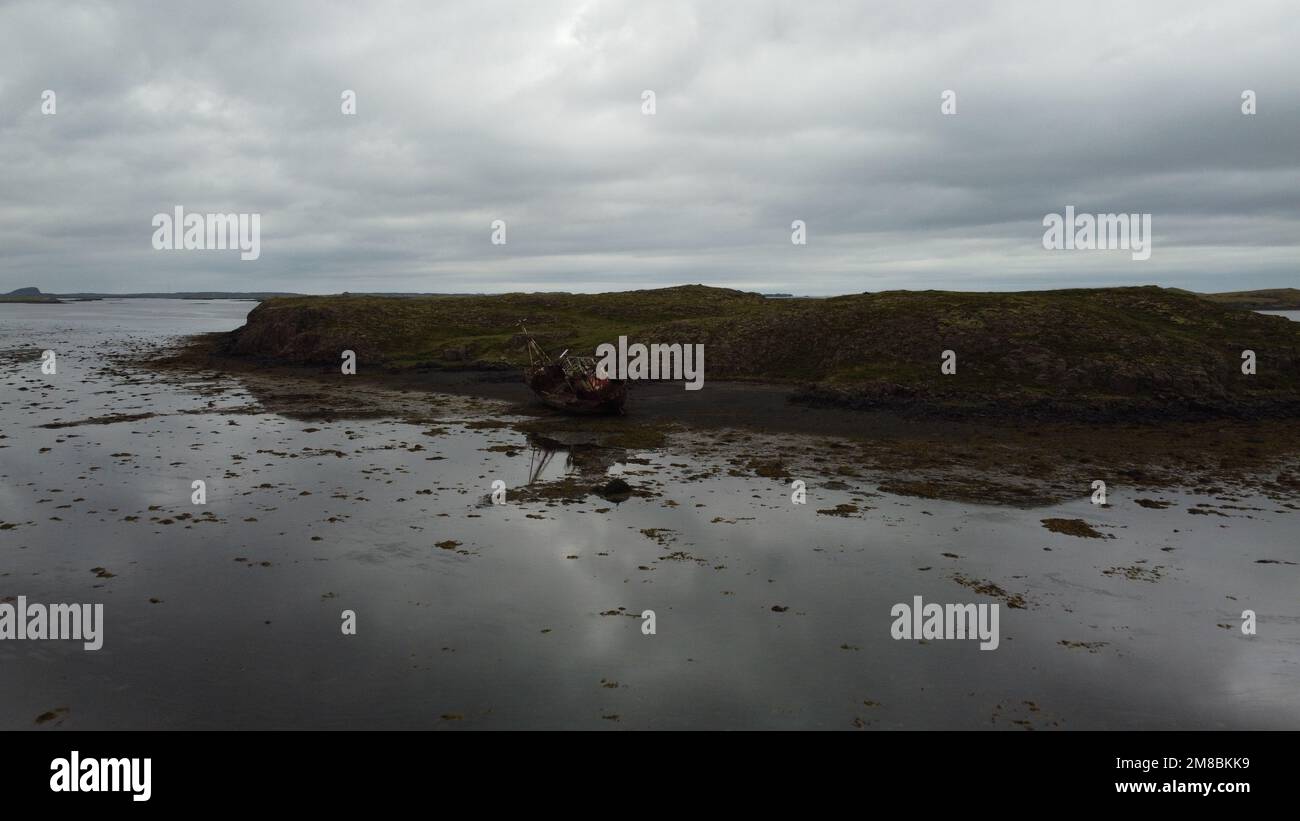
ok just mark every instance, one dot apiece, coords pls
pixel 1273 299
pixel 1084 351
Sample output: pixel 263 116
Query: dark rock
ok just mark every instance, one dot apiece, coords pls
pixel 615 490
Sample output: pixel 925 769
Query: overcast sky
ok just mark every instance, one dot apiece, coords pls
pixel 531 112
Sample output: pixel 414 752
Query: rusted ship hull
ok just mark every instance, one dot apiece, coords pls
pixel 589 395
pixel 572 384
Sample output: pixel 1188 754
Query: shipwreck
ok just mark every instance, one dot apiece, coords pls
pixel 571 383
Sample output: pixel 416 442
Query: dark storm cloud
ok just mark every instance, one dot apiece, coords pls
pixel 531 112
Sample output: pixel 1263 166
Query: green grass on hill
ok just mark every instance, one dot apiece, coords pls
pixel 1272 299
pixel 1142 345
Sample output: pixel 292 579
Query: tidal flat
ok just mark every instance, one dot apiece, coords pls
pixel 373 495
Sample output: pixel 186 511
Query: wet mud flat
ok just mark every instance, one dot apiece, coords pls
pixel 324 497
pixel 998 460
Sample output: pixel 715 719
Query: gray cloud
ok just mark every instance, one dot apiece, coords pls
pixel 767 112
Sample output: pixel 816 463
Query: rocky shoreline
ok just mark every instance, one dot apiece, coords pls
pixel 968 459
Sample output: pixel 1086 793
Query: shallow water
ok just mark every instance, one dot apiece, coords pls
pixel 1292 315
pixel 305 519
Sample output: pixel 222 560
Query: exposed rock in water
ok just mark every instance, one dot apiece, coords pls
pixel 615 490
pixel 1155 504
pixel 1073 527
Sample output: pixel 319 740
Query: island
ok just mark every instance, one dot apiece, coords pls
pixel 1095 355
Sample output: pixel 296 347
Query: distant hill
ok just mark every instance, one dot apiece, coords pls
pixel 253 295
pixel 1270 299
pixel 29 295
pixel 33 291
pixel 256 296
